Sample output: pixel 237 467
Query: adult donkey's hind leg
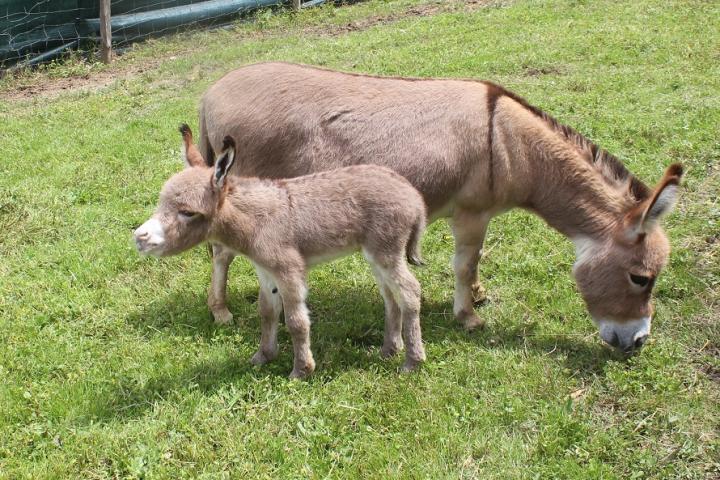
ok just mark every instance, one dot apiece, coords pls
pixel 222 258
pixel 469 230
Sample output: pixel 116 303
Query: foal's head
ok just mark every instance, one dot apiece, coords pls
pixel 188 202
pixel 616 272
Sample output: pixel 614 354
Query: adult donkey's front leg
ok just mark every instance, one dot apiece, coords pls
pixel 469 230
pixel 222 258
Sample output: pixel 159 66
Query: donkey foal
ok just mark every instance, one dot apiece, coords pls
pixel 286 226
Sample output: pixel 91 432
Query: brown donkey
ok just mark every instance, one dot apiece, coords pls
pixel 286 226
pixel 473 150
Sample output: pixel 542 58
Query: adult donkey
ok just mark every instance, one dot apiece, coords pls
pixel 474 150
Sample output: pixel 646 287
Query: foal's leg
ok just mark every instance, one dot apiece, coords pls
pixel 392 340
pixel 469 230
pixel 293 292
pixel 222 258
pixel 270 307
pixel 406 290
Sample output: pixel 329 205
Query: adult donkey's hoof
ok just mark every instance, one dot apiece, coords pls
pixel 479 294
pixel 222 317
pixel 473 322
pixel 470 320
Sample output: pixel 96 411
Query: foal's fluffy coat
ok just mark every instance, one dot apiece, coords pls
pixel 286 226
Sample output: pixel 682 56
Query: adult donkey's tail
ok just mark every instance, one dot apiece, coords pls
pixel 413 246
pixel 205 148
pixel 191 154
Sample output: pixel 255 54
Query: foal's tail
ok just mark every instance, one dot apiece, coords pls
pixel 412 250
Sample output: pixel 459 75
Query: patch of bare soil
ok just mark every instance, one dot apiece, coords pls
pixel 417 11
pixel 540 71
pixel 49 88
pixel 709 366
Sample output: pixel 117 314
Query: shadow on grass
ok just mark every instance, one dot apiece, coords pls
pixel 346 335
pixel 185 315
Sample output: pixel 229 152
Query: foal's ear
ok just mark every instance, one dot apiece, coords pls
pixel 648 214
pixel 225 162
pixel 191 154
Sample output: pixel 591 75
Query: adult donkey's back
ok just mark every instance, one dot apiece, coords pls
pixel 474 150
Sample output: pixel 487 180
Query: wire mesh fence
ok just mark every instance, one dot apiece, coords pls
pixel 33 31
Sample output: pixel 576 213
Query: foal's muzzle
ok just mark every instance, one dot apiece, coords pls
pixel 150 237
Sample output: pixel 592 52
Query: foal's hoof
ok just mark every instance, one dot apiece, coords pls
pixel 300 373
pixel 410 366
pixel 223 317
pixel 261 358
pixel 387 351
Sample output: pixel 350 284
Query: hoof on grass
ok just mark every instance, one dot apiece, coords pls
pixel 470 321
pixel 261 357
pixel 223 317
pixel 301 373
pixel 391 349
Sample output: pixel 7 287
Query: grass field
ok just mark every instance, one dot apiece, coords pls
pixel 111 368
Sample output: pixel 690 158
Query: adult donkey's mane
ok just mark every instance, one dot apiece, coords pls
pixel 612 169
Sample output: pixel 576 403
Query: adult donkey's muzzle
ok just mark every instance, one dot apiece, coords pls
pixel 625 336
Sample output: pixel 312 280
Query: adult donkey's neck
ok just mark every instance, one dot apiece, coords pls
pixel 550 169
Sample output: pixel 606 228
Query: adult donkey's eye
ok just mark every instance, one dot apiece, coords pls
pixel 187 214
pixel 639 280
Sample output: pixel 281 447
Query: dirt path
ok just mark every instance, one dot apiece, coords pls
pixel 424 10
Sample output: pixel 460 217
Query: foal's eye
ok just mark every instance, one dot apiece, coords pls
pixel 639 280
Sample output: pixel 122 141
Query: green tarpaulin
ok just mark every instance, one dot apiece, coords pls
pixel 41 28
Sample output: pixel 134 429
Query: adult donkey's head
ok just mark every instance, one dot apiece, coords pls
pixel 616 272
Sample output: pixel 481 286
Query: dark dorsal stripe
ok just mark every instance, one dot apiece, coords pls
pixel 494 92
pixel 605 161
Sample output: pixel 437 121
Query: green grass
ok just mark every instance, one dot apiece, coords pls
pixel 110 365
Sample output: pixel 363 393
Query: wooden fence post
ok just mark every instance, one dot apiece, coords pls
pixel 296 4
pixel 105 32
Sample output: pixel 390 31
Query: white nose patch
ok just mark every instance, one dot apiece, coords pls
pixel 624 335
pixel 149 236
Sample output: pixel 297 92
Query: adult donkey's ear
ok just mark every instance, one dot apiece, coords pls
pixel 644 218
pixel 191 154
pixel 225 162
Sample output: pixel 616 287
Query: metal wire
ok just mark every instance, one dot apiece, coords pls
pixel 33 31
